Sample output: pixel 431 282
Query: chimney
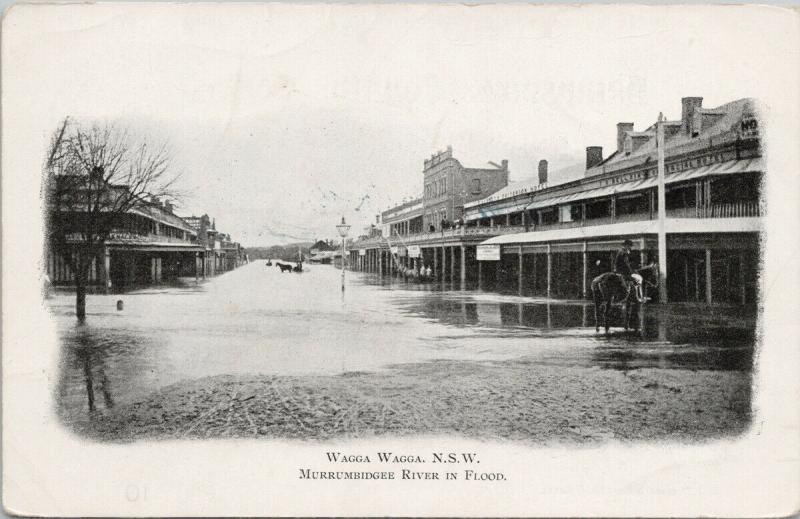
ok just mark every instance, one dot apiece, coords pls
pixel 168 206
pixel 622 129
pixel 377 218
pixel 594 156
pixel 688 106
pixel 543 171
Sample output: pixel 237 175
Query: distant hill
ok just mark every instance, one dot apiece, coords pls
pixel 282 252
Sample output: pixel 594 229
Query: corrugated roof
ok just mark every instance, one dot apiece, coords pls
pixel 531 185
pixel 730 167
pixel 500 211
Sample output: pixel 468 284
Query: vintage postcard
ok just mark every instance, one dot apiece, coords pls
pixel 400 260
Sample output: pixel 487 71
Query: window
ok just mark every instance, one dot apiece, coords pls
pixel 549 216
pixel 566 213
pixel 576 212
pixel 598 209
pixel 444 185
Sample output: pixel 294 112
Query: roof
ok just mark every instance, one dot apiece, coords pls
pixel 157 213
pixel 730 167
pixel 530 185
pixel 327 254
pixel 724 122
pixel 537 201
pixel 402 210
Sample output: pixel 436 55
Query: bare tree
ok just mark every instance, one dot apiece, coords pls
pixel 93 175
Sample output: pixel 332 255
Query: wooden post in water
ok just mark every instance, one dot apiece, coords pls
pixel 549 272
pixel 708 276
pixel 452 263
pixel 444 263
pixel 463 271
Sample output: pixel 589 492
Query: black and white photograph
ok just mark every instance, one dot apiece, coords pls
pixel 271 259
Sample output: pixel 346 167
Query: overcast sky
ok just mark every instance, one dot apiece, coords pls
pixel 284 118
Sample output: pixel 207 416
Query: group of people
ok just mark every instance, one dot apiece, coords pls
pixel 447 224
pixel 417 272
pixel 622 267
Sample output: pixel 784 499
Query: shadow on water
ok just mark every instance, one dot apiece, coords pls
pixel 100 368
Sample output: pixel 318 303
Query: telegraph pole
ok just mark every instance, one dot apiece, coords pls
pixel 662 214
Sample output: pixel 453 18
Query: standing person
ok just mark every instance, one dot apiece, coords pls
pixel 622 266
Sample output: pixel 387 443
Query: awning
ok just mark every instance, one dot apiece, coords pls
pixel 723 168
pixel 578 195
pixel 497 211
pixel 753 165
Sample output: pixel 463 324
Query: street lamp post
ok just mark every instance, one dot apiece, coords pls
pixel 343 229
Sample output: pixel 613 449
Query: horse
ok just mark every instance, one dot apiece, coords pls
pixel 611 287
pixel 284 268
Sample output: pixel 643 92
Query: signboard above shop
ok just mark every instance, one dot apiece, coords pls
pixel 413 251
pixel 488 253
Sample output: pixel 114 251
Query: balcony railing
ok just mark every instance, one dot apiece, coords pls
pixel 733 210
pixel 747 209
pixel 728 210
pixel 146 238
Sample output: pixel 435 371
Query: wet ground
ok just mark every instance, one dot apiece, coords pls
pixel 256 352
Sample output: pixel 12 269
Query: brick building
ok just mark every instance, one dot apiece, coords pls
pixel 448 185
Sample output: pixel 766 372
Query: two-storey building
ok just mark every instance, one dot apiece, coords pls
pixel 713 172
pixel 539 238
pixel 414 232
pixel 448 186
pixel 147 244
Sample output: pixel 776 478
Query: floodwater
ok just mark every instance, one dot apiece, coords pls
pixel 257 320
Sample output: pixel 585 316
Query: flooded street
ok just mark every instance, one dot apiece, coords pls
pixel 258 352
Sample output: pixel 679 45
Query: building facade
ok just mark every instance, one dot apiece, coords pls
pixel 148 244
pixel 220 253
pixel 540 239
pixel 448 186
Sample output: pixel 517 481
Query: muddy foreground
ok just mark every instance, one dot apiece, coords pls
pixel 516 400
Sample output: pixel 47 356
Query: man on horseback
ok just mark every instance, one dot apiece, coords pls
pixel 622 266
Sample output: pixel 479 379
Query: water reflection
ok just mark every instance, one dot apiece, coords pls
pixel 99 365
pixel 257 321
pixel 94 370
pixel 673 337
